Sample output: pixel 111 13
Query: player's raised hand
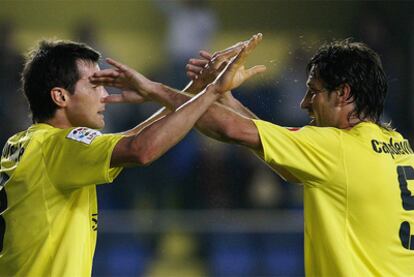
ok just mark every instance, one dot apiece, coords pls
pixel 235 73
pixel 204 70
pixel 136 87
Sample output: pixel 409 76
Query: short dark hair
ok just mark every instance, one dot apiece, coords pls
pixel 355 64
pixel 52 64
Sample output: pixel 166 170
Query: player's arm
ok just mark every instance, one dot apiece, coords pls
pixel 154 117
pixel 149 143
pixel 157 138
pixel 219 122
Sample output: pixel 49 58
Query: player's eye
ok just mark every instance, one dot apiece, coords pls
pixel 310 92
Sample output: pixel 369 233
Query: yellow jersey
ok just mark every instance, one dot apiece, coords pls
pixel 48 206
pixel 358 200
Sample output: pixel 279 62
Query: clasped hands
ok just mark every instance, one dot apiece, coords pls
pixel 224 70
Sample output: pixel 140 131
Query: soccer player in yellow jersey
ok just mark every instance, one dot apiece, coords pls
pixel 357 174
pixel 48 207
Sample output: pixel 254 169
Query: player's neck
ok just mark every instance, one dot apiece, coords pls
pixel 354 120
pixel 347 117
pixel 58 121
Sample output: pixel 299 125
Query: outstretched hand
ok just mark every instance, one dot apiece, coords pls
pixel 235 73
pixel 205 69
pixel 135 86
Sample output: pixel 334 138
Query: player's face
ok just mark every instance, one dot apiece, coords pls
pixel 320 104
pixel 85 106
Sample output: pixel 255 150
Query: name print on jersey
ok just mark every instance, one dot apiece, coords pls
pixel 13 152
pixel 94 222
pixel 392 148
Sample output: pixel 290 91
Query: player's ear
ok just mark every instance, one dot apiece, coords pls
pixel 59 96
pixel 344 94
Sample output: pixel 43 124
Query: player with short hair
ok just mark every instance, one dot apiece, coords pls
pixel 49 172
pixel 357 173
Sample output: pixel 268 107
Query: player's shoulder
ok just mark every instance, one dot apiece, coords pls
pixel 299 132
pixel 44 133
pixel 372 129
pixel 321 132
pixel 82 134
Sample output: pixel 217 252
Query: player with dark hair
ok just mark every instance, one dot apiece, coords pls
pixel 48 207
pixel 356 172
pixel 355 65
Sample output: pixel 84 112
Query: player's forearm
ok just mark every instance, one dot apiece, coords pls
pixel 229 101
pixel 156 116
pixel 193 88
pixel 168 97
pixel 156 139
pixel 222 123
pixel 218 122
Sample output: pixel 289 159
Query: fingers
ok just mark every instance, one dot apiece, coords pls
pixel 193 71
pixel 113 99
pixel 238 60
pixel 248 45
pixel 253 42
pixel 105 73
pixel 117 64
pixel 102 79
pixel 206 55
pixel 219 62
pixel 198 62
pixel 225 55
pixel 107 82
pixel 234 48
pixel 247 49
pixel 191 75
pixel 255 70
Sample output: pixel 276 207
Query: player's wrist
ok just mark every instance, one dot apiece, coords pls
pixel 214 90
pixel 194 87
pixel 153 89
pixel 227 98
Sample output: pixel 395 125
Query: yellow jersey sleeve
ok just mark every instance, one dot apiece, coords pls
pixel 79 156
pixel 308 154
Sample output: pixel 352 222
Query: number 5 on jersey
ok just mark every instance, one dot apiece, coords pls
pixel 406 173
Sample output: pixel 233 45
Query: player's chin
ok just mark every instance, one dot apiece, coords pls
pixel 313 122
pixel 99 123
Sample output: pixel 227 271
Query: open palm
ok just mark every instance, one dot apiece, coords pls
pixel 235 73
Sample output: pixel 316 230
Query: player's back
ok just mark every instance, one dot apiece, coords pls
pixel 362 216
pixel 39 221
pixel 380 206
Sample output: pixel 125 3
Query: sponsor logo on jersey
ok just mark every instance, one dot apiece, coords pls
pixel 83 134
pixel 392 147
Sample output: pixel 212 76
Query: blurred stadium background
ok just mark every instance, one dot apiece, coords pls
pixel 205 208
